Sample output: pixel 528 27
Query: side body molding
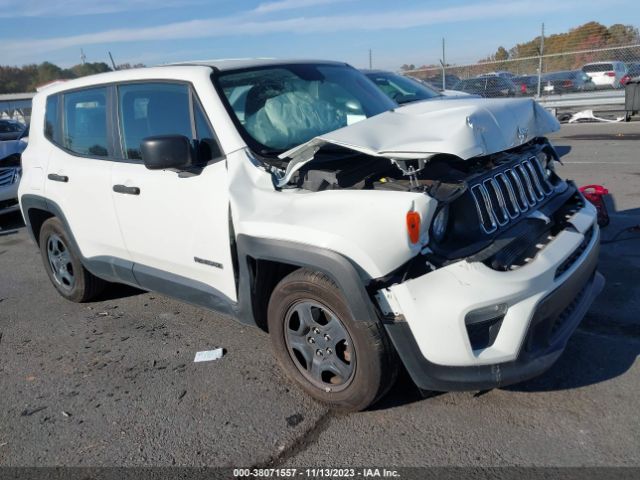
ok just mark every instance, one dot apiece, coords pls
pixel 118 270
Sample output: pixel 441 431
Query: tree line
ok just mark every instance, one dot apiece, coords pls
pixel 585 38
pixel 28 77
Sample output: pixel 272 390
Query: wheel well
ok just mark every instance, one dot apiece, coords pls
pixel 36 218
pixel 265 275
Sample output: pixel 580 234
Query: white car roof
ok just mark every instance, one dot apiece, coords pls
pixel 240 63
pixel 182 70
pixel 600 63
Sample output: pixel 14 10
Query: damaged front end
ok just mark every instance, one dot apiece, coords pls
pixel 490 180
pixel 503 210
pixel 496 263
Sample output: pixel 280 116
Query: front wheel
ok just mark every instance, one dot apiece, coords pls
pixel 63 265
pixel 338 360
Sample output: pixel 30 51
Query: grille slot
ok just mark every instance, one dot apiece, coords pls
pixel 526 184
pixel 497 201
pixel 519 189
pixel 7 176
pixel 535 183
pixel 483 205
pixel 539 173
pixel 506 195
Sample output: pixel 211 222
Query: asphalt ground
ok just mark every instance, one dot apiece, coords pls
pixel 113 382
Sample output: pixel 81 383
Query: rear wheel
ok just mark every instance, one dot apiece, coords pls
pixel 63 264
pixel 338 360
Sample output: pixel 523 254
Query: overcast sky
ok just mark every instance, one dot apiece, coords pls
pixel 159 31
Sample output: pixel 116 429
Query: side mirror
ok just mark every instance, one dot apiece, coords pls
pixel 166 151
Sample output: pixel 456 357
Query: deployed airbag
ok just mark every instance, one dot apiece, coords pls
pixel 292 118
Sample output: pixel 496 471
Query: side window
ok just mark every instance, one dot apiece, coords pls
pixel 149 109
pixel 207 146
pixel 85 122
pixel 51 127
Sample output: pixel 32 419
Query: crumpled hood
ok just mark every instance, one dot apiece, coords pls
pixel 465 128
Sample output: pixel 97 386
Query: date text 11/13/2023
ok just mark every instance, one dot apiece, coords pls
pixel 316 473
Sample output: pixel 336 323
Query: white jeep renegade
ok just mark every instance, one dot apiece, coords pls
pixel 297 197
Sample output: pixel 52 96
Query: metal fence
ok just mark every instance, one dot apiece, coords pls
pixel 586 71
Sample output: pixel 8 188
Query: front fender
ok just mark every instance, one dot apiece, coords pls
pixel 336 266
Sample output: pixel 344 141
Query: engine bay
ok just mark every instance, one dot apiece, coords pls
pixel 443 177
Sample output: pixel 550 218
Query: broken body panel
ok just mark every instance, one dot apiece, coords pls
pixel 547 239
pixel 464 128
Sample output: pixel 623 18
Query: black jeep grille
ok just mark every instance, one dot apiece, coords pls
pixel 510 193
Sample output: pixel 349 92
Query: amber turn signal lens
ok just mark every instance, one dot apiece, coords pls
pixel 413 226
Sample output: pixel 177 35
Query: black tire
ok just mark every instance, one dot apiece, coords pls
pixel 84 286
pixel 375 364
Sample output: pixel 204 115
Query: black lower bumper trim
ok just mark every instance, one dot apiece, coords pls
pixel 567 304
pixel 7 204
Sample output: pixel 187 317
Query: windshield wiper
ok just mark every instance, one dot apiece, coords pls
pixel 271 152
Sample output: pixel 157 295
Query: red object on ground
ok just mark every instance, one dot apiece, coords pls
pixel 595 194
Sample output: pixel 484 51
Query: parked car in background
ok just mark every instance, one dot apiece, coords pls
pixel 399 88
pixel 499 73
pixel 10 165
pixel 488 86
pixel 606 74
pixel 633 71
pixel 404 89
pixel 445 93
pixel 526 84
pixel 10 129
pixel 566 82
pixel 436 81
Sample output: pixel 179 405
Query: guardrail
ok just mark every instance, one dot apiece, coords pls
pixel 605 98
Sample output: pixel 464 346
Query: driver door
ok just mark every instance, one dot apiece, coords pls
pixel 175 224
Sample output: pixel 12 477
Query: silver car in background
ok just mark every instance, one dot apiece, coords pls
pixel 606 74
pixel 11 147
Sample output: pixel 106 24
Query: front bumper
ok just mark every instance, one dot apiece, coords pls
pixel 546 301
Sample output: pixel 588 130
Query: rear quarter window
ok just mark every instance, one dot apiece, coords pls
pixel 51 127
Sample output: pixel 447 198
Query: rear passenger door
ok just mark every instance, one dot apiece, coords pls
pixel 175 224
pixel 79 170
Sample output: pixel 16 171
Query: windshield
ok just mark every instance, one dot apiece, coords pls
pixel 280 107
pixel 402 89
pixel 471 84
pixel 597 67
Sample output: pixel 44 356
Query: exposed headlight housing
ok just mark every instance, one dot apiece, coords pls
pixel 546 161
pixel 440 223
